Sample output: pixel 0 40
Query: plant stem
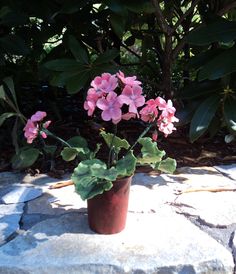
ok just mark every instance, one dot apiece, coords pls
pixel 56 137
pixel 111 151
pixel 141 136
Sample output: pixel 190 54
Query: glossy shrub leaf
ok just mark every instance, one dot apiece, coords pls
pixel 78 51
pixel 118 24
pixel 106 57
pixel 50 149
pixel 77 82
pixel 168 165
pixel 218 31
pixel 13 44
pixel 230 113
pixel 198 89
pixel 2 93
pixel 143 6
pixel 151 155
pixel 203 116
pixel 26 157
pixel 63 65
pixel 126 165
pixel 116 142
pixel 9 83
pixel 5 116
pixel 219 66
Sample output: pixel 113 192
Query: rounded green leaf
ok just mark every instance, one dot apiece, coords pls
pixel 69 153
pixel 63 65
pixel 25 158
pixel 203 116
pixel 78 51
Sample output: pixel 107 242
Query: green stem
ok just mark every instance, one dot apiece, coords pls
pixel 56 137
pixel 141 136
pixel 111 151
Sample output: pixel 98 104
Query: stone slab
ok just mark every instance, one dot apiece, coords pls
pixel 216 209
pixel 151 243
pixel 229 170
pixel 21 194
pixel 10 216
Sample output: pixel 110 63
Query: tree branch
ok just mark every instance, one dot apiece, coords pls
pixel 227 8
pixel 160 18
pixel 187 13
pixel 178 48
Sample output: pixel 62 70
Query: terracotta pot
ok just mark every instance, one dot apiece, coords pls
pixel 107 212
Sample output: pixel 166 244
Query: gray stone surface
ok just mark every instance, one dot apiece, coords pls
pixel 216 209
pixel 151 243
pixel 21 194
pixel 10 216
pixel 229 170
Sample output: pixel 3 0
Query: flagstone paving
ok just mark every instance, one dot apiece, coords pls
pixel 168 230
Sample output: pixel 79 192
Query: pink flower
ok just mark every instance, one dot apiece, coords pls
pixel 111 107
pixel 167 108
pixel 31 131
pixel 132 97
pixel 165 124
pixel 32 128
pixel 149 112
pixel 105 83
pixel 154 135
pixel 91 101
pixel 127 116
pixel 38 116
pixel 130 81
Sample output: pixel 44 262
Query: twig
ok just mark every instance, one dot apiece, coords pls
pixel 62 184
pixel 187 13
pixel 160 18
pixel 210 189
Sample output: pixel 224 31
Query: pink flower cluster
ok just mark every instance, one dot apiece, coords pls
pixel 32 127
pixel 110 93
pixel 103 96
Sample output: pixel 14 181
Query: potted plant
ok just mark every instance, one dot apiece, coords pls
pixel 105 183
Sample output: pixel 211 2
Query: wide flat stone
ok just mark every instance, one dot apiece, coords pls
pixel 216 209
pixel 229 170
pixel 57 202
pixel 21 194
pixel 10 216
pixel 151 243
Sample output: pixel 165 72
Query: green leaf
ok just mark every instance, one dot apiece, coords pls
pixel 77 141
pixel 150 152
pixel 9 82
pixel 50 149
pixel 219 66
pixel 77 82
pixel 143 6
pixel 25 158
pixel 78 51
pixel 203 116
pixel 107 56
pixel 5 116
pixel 92 191
pixel 63 65
pixel 230 113
pixel 168 165
pixel 118 23
pixel 13 44
pixel 116 142
pixel 126 166
pixel 91 177
pixel 218 31
pixel 69 153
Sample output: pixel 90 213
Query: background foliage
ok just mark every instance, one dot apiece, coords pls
pixel 184 50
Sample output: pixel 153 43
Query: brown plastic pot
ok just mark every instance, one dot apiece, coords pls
pixel 107 212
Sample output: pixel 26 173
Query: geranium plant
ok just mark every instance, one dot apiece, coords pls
pixel 114 98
